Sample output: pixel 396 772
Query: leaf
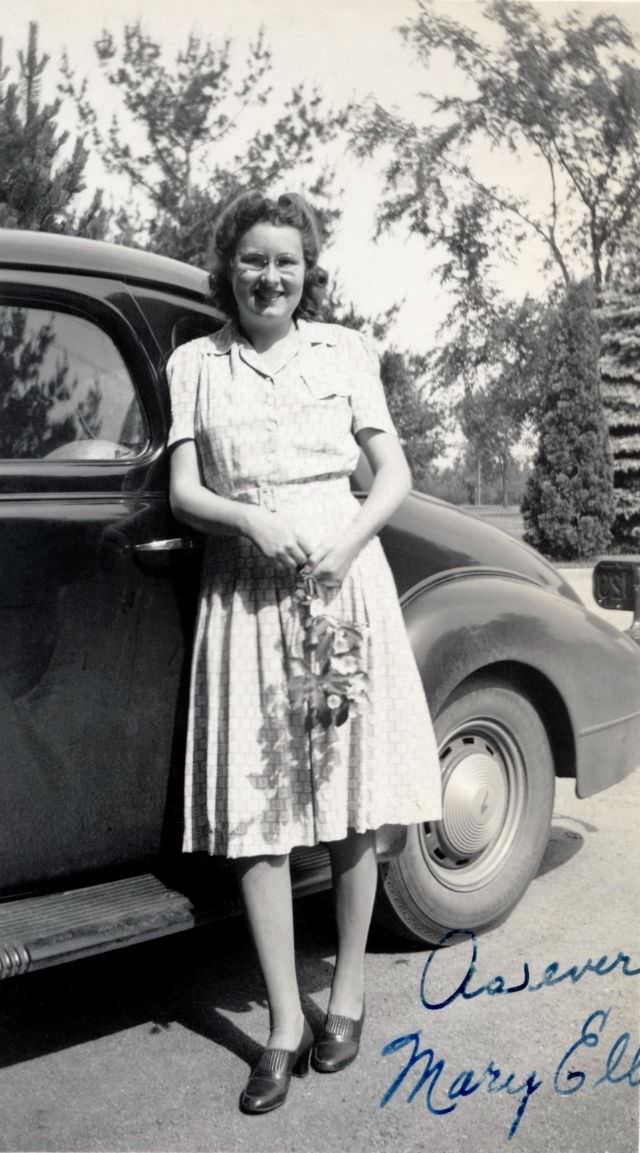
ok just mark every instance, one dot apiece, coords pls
pixel 319 625
pixel 351 630
pixel 342 713
pixel 325 716
pixel 324 651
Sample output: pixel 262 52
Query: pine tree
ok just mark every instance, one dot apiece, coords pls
pixel 39 182
pixel 619 317
pixel 32 387
pixel 194 132
pixel 568 503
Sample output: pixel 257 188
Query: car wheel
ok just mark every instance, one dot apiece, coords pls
pixel 469 869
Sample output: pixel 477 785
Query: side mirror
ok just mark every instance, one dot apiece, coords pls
pixel 616 585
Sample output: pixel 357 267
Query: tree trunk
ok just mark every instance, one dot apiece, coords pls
pixel 478 481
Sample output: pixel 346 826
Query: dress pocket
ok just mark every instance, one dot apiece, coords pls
pixel 322 387
pixel 324 415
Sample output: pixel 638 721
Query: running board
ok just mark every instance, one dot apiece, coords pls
pixel 39 931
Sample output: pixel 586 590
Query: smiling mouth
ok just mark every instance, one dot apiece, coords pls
pixel 267 297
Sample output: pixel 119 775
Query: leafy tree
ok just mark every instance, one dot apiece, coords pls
pixel 186 145
pixel 456 482
pixel 339 310
pixel 564 96
pixel 496 358
pixel 40 182
pixel 619 318
pixel 487 422
pixel 416 412
pixel 568 503
pixel 561 98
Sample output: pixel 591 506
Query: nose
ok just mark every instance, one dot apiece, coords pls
pixel 270 273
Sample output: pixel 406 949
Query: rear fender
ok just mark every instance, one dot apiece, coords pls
pixel 581 672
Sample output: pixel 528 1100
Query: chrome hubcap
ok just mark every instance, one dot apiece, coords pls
pixel 474 800
pixel 484 789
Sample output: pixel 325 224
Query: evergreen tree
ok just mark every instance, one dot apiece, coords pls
pixel 184 140
pixel 33 386
pixel 184 144
pixel 39 182
pixel 619 317
pixel 568 503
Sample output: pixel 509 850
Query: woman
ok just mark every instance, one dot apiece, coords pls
pixel 308 722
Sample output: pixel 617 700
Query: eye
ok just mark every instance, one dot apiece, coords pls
pixel 253 260
pixel 287 261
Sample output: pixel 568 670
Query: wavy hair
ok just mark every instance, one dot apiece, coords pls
pixel 237 217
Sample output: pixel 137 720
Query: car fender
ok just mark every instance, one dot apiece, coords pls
pixel 582 673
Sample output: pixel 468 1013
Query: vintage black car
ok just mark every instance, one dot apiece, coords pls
pixel 97 592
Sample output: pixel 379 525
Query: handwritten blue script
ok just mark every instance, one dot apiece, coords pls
pixel 468 989
pixel 444 1091
pixel 568 1079
pixel 441 1099
pixel 462 1085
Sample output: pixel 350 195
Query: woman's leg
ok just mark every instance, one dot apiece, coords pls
pixel 355 874
pixel 265 883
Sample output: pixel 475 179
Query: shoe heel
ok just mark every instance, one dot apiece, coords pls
pixel 301 1067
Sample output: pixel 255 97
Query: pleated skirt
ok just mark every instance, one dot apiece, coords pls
pixel 263 774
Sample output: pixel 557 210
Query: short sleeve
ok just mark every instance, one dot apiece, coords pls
pixel 368 401
pixel 182 375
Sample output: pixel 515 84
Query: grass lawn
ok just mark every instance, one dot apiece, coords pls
pixel 509 519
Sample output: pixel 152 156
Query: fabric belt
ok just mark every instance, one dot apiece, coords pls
pixel 274 495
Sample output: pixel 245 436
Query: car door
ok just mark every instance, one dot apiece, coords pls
pixel 97 586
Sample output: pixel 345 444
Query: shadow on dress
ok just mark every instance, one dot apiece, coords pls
pixel 286 751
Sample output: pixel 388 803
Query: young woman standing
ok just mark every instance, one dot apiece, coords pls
pixel 308 722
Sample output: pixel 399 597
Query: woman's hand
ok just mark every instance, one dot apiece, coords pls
pixel 330 560
pixel 276 538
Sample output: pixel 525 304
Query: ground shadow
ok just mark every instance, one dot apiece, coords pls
pixel 193 979
pixel 563 844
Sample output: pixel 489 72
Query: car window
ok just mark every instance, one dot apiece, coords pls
pixel 190 327
pixel 174 320
pixel 65 392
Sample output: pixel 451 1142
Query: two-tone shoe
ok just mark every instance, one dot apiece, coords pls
pixel 338 1044
pixel 269 1081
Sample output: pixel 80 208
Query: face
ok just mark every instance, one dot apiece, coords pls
pixel 267 275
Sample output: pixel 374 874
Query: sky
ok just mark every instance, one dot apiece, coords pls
pixel 352 49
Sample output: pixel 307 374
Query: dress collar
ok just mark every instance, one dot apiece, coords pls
pixel 311 332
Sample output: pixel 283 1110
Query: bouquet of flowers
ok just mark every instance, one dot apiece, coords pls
pixel 328 675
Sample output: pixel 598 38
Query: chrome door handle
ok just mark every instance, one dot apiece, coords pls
pixel 173 544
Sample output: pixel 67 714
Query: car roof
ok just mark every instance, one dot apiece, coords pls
pixel 54 252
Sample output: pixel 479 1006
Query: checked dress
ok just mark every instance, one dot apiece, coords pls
pixel 260 777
